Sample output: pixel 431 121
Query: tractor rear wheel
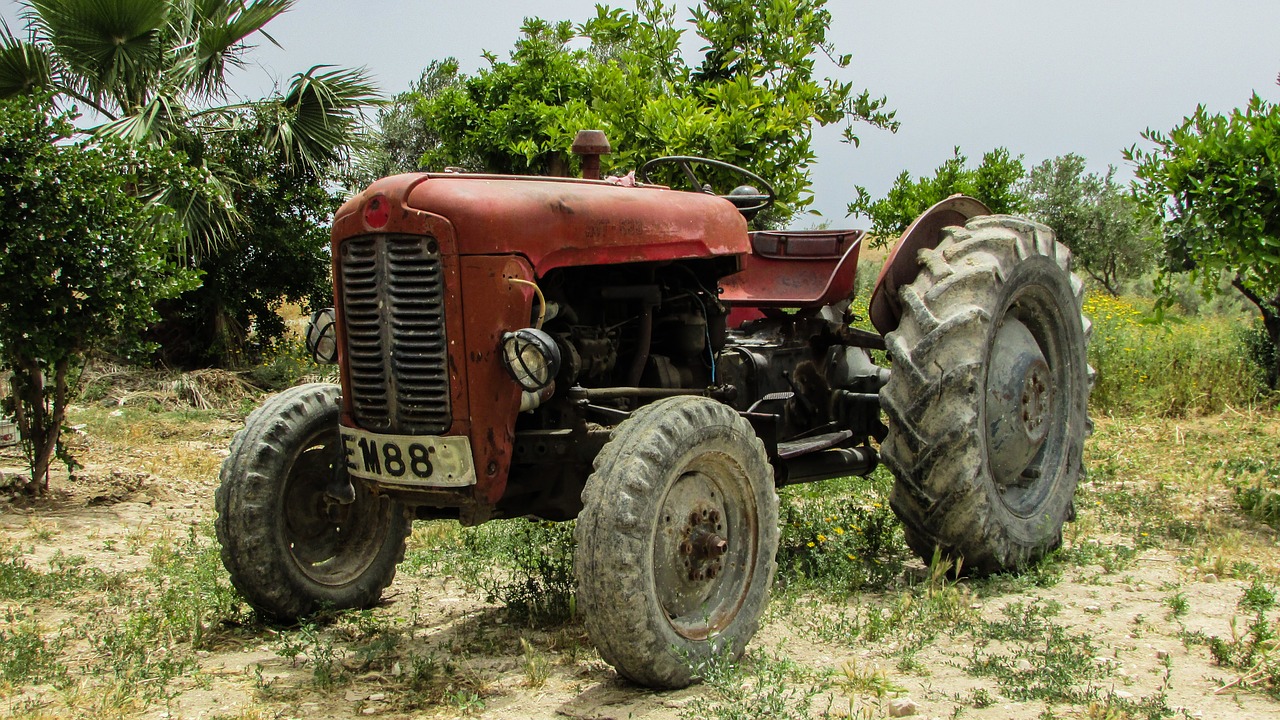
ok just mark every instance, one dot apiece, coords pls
pixel 987 401
pixel 290 546
pixel 676 542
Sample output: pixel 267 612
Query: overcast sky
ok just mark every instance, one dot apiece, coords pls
pixel 1042 78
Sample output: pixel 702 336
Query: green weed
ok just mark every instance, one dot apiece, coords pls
pixel 1059 665
pixel 1251 651
pixel 311 646
pixel 1185 366
pixel 914 618
pixel 757 686
pixel 840 537
pixel 525 566
pixel 194 592
pixel 27 655
pixel 67 576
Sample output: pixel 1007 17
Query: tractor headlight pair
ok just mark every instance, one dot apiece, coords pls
pixel 532 358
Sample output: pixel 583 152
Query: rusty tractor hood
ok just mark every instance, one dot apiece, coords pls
pixel 553 222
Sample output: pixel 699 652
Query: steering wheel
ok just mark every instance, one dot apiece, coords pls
pixel 748 198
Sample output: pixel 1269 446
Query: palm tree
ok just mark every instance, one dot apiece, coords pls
pixel 155 71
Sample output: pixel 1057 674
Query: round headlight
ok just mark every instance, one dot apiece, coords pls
pixel 532 358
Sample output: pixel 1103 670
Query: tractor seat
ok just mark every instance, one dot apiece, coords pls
pixel 794 269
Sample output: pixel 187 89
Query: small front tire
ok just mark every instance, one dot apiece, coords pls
pixel 676 542
pixel 291 547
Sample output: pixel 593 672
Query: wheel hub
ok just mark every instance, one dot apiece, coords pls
pixel 1019 403
pixel 702 545
pixel 701 554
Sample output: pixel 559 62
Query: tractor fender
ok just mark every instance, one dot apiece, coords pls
pixel 924 233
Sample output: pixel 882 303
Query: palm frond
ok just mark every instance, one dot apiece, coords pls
pixel 206 210
pixel 218 32
pixel 315 122
pixel 23 66
pixel 153 123
pixel 113 46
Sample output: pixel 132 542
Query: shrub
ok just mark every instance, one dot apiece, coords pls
pixel 84 259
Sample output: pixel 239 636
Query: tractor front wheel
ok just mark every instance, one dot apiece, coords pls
pixel 987 402
pixel 290 542
pixel 676 542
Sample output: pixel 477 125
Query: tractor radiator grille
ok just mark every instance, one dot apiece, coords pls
pixel 393 307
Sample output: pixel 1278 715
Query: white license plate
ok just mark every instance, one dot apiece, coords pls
pixel 413 460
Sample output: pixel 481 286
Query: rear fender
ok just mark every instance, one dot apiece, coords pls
pixel 900 268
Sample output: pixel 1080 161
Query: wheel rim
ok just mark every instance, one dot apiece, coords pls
pixel 331 543
pixel 1028 398
pixel 705 545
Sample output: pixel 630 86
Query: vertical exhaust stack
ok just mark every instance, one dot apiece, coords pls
pixel 591 144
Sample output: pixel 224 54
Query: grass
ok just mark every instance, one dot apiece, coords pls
pixel 89 636
pixel 1184 366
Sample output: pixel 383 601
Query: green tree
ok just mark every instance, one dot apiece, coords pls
pixel 1214 183
pixel 751 99
pixel 156 72
pixel 994 181
pixel 82 259
pixel 1094 216
pixel 279 254
pixel 401 137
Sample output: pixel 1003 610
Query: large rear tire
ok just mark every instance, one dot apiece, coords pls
pixel 290 547
pixel 987 401
pixel 676 542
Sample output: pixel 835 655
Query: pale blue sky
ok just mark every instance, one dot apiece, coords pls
pixel 1041 78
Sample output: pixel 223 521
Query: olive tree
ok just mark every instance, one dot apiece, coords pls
pixel 1093 215
pixel 83 260
pixel 1213 182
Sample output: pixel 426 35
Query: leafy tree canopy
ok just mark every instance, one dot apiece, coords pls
pixel 994 181
pixel 82 258
pixel 279 254
pixel 1214 183
pixel 156 72
pixel 751 99
pixel 1094 216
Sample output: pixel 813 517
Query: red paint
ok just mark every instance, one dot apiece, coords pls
pixel 560 223
pixel 492 305
pixel 791 269
pixel 900 268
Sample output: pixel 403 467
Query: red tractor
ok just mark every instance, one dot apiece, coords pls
pixel 630 355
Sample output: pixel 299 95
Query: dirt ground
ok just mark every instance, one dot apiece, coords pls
pixel 136 493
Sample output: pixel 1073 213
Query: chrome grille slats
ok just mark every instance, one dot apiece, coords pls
pixel 393 306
